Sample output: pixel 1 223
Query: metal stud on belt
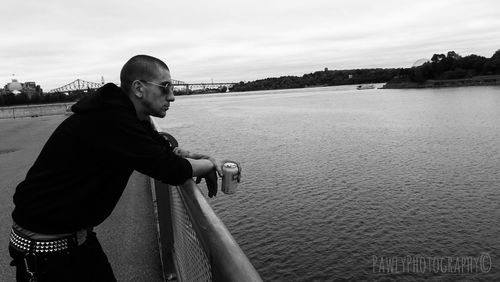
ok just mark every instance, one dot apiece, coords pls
pixel 38 246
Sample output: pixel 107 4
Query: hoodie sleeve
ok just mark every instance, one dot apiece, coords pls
pixel 121 135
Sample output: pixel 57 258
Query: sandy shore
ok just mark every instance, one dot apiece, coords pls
pixel 128 236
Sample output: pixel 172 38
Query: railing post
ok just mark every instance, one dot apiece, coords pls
pixel 164 218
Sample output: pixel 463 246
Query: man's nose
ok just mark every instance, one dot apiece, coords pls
pixel 170 96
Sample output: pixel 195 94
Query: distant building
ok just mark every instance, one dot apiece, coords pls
pixel 15 87
pixel 420 62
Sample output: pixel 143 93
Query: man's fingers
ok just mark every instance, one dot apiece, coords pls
pixel 217 166
pixel 212 183
pixel 210 187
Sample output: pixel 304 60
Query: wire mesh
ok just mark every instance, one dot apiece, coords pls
pixel 192 261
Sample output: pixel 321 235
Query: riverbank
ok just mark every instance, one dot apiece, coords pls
pixel 34 110
pixel 486 80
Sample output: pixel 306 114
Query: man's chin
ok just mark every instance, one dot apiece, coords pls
pixel 161 114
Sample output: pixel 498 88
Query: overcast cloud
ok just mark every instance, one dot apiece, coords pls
pixel 56 41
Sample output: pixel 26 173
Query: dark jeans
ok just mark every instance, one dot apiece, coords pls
pixel 87 262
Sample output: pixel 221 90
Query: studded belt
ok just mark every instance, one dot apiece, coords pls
pixel 24 244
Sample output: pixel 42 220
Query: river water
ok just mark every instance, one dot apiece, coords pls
pixel 342 184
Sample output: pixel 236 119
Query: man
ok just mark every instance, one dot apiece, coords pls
pixel 83 168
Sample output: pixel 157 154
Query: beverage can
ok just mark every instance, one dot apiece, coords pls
pixel 230 177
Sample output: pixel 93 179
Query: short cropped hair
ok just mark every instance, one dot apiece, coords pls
pixel 140 67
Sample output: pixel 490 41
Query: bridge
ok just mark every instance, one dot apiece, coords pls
pixel 202 86
pixel 77 85
pixel 83 85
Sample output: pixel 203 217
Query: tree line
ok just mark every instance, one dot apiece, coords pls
pixel 320 78
pixel 440 66
pixel 454 66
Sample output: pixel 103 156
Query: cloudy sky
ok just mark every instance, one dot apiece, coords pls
pixel 54 42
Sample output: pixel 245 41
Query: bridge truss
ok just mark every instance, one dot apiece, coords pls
pixel 78 84
pixel 178 82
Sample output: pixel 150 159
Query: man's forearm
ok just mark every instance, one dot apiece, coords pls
pixel 201 166
pixel 187 154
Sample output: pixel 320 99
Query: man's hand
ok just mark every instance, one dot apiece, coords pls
pixel 196 156
pixel 217 165
pixel 211 180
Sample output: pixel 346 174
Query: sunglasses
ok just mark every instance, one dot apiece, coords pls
pixel 166 88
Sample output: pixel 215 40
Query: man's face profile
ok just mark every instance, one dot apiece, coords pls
pixel 156 99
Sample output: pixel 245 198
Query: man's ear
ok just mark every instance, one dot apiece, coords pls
pixel 137 89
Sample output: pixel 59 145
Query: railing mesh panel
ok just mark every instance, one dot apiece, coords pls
pixel 192 262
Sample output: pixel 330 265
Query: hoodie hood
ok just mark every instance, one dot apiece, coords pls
pixel 107 97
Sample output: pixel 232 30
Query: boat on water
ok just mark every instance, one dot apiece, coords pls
pixel 366 86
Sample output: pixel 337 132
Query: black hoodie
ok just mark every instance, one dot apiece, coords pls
pixel 83 168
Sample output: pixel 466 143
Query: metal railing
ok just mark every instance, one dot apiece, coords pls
pixel 34 110
pixel 194 243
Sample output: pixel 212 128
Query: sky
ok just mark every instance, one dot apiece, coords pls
pixel 54 42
